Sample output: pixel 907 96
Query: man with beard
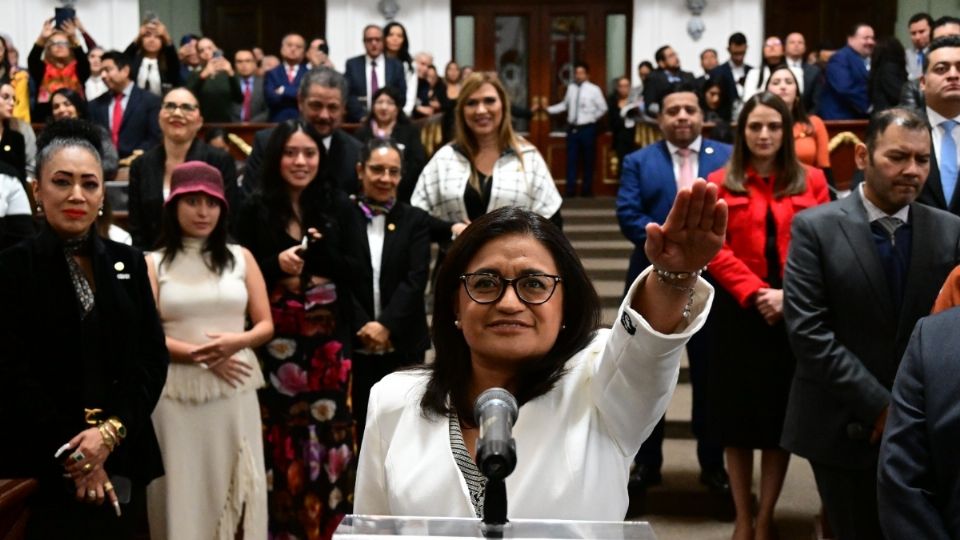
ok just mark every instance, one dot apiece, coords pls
pixel 860 272
pixel 320 101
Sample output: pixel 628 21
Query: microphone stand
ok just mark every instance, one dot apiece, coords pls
pixel 494 508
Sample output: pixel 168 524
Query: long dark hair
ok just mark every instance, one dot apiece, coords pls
pixel 5 63
pixel 394 94
pixel 798 112
pixel 724 108
pixel 218 256
pixel 75 99
pixel 314 199
pixel 404 53
pixel 450 374
pixel 790 174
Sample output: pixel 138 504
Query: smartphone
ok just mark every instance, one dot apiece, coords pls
pixel 218 53
pixel 150 17
pixel 63 14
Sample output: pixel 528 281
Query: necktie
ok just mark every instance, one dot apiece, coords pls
pixel 948 160
pixel 117 119
pixel 247 97
pixel 374 83
pixel 686 168
pixel 291 73
pixel 576 106
pixel 920 60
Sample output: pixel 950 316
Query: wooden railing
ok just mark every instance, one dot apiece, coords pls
pixel 14 498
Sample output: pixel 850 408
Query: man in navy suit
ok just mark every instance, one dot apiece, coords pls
pixel 919 473
pixel 733 72
pixel 136 127
pixel 939 83
pixel 281 83
pixel 845 95
pixel 648 185
pixel 860 272
pixel 369 72
pixel 667 73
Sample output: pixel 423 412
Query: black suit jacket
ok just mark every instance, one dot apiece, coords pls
pixel 724 73
pixel 41 397
pixel 918 487
pixel 258 104
pixel 656 86
pixel 812 86
pixel 341 160
pixel 140 128
pixel 170 70
pixel 146 188
pixel 932 193
pixel 355 73
pixel 404 268
pixel 845 332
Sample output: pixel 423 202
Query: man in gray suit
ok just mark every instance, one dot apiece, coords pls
pixel 253 108
pixel 860 272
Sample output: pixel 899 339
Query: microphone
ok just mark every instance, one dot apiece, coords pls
pixel 495 412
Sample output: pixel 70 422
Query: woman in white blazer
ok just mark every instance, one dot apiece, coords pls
pixel 487 166
pixel 515 309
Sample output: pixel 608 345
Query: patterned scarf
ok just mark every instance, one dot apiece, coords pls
pixel 55 78
pixel 372 209
pixel 79 246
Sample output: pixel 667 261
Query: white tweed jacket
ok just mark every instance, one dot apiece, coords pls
pixel 518 180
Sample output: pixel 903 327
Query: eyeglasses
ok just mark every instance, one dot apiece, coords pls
pixel 380 170
pixel 171 107
pixel 372 39
pixel 58 43
pixel 533 289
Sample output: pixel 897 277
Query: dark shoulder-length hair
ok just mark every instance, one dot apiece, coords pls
pixel 404 53
pixel 791 178
pixel 394 94
pixel 447 389
pixel 314 199
pixel 75 99
pixel 217 256
pixel 798 112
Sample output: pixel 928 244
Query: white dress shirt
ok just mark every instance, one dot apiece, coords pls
pixel 94 87
pixel 874 213
pixel 584 104
pixel 936 133
pixel 750 86
pixel 150 71
pixel 375 235
pixel 677 159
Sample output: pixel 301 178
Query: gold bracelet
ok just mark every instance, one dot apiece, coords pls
pixel 118 427
pixel 108 439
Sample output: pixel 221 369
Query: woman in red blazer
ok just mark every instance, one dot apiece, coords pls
pixel 764 185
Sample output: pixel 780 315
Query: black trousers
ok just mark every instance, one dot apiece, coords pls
pixel 849 500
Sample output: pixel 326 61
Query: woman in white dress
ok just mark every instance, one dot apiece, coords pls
pixel 208 418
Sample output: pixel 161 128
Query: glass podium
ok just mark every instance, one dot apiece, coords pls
pixel 358 527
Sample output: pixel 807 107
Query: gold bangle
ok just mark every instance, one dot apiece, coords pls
pixel 118 427
pixel 108 438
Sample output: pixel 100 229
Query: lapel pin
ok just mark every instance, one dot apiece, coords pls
pixel 391 227
pixel 118 266
pixel 123 276
pixel 708 150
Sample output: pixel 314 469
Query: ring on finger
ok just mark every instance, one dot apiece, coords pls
pixel 87 468
pixel 107 486
pixel 91 494
pixel 78 456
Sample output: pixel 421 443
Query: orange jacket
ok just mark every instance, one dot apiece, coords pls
pixel 741 267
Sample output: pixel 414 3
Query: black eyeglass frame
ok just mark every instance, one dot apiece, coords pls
pixel 504 282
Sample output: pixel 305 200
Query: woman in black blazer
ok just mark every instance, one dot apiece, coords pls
pixel 387 120
pixel 83 357
pixel 154 47
pixel 888 74
pixel 388 247
pixel 150 173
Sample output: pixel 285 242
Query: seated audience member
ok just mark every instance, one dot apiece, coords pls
pixel 397 46
pixel 56 61
pixel 216 87
pixel 587 397
pixel 487 166
pixel 810 137
pixel 280 83
pixel 389 273
pixel 387 121
pixel 154 64
pixel 432 94
pixel 67 293
pixel 94 87
pixel 668 72
pixel 918 486
pixel 452 77
pixel 66 103
pixel 321 103
pixel 765 186
pixel 17 77
pixel 253 107
pixel 888 74
pixel 421 106
pixel 369 72
pixel 13 150
pixel 649 182
pixel 845 94
pixel 206 288
pixel 716 105
pixel 127 111
pixel 150 174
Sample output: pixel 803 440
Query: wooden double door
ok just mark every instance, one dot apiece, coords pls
pixel 533 46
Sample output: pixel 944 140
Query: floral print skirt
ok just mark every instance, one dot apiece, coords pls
pixel 308 428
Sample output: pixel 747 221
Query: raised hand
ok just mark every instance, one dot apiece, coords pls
pixel 692 233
